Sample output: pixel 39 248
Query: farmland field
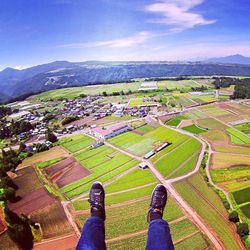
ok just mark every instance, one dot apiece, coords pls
pixel 209 206
pixel 104 163
pixel 53 220
pixel 210 123
pixel 76 143
pixel 129 219
pixel 246 210
pixel 133 179
pixel 238 137
pixel 221 160
pixel 143 192
pixel 194 129
pixel 134 102
pixel 135 143
pixel 176 120
pixel 242 196
pixel 228 174
pixel 170 161
pixel 23 175
pixel 87 90
pixel 53 153
pixel 245 128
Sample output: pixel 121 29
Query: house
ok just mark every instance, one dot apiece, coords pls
pixel 143 165
pixel 110 131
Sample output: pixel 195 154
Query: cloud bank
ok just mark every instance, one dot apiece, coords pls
pixel 178 14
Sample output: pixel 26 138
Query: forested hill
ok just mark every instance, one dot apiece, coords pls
pixel 14 83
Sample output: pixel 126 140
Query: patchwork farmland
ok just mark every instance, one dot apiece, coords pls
pixel 60 178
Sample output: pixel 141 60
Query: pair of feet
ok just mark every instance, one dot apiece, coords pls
pixel 157 205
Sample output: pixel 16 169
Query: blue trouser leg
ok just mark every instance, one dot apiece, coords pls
pixel 159 237
pixel 93 235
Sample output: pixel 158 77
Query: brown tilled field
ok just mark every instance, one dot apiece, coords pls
pixel 68 242
pixel 225 160
pixel 32 202
pixel 53 220
pixel 236 108
pixel 66 172
pixel 27 181
pixel 53 153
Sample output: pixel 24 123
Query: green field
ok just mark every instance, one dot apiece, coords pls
pixel 76 143
pixel 246 210
pixel 87 90
pixel 228 174
pixel 194 129
pixel 183 84
pixel 238 137
pixel 132 218
pixel 134 102
pixel 145 129
pixel 242 196
pixel 133 179
pixel 210 123
pixel 48 163
pixel 176 120
pixel 204 201
pixel 118 198
pixel 104 163
pixel 198 241
pixel 202 98
pixel 173 159
pixel 245 127
pixel 135 143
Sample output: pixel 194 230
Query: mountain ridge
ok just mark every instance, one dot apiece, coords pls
pixel 58 74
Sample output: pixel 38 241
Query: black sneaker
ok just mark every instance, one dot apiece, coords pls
pixel 158 203
pixel 96 200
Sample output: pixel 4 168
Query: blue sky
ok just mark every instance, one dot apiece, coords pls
pixel 39 31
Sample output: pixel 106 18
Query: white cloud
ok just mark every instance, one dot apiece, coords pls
pixel 178 14
pixel 125 42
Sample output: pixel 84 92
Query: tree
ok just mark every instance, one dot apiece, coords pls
pixel 50 136
pixel 233 216
pixel 242 229
pixel 104 93
pixel 19 229
pixel 22 147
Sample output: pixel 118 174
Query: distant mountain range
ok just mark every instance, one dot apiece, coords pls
pixel 58 74
pixel 233 59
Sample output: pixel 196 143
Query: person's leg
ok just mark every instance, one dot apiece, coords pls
pixel 93 233
pixel 159 237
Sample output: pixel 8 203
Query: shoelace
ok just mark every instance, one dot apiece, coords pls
pixel 157 200
pixel 95 201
